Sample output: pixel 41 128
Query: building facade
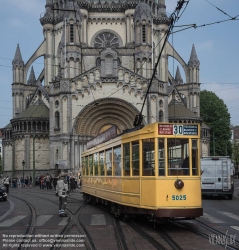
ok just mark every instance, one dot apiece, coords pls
pixel 99 57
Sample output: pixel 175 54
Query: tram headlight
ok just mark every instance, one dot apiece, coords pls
pixel 179 184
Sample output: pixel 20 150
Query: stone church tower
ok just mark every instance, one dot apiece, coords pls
pixel 98 61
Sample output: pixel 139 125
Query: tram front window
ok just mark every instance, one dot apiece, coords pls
pixel 178 157
pixel 161 156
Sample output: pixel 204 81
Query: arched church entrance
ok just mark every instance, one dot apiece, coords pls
pixel 102 114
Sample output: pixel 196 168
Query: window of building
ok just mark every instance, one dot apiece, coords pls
pixel 71 33
pixel 96 163
pixel 57 120
pixel 143 34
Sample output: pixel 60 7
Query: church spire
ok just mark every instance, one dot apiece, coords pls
pixel 193 61
pixel 178 78
pixel 162 8
pixel 32 77
pixel 17 58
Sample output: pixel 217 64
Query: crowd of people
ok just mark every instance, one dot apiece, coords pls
pixel 46 182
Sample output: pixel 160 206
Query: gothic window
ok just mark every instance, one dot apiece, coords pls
pixel 57 120
pixel 108 65
pixel 98 61
pixel 56 103
pixel 71 33
pixel 160 116
pixel 143 34
pixel 106 39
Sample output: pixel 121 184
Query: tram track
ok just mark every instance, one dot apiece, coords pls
pixel 223 241
pixel 73 221
pixel 32 223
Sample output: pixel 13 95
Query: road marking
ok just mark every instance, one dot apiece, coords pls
pixel 211 218
pixel 9 211
pixel 233 216
pixel 63 222
pixel 235 227
pixel 10 222
pixel 42 219
pixel 98 219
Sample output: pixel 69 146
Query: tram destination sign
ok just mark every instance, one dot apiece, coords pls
pixel 176 129
pixel 103 137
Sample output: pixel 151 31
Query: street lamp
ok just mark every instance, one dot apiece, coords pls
pixel 23 163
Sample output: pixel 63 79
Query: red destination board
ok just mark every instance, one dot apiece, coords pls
pixel 165 129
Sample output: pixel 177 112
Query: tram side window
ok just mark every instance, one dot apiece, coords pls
pixel 83 165
pixel 135 158
pixel 117 161
pixel 148 158
pixel 108 161
pixel 126 159
pixel 86 166
pixel 102 163
pixel 96 164
pixel 194 157
pixel 161 161
pixel 178 157
pixel 91 165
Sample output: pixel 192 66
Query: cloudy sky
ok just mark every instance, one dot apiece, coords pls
pixel 217 46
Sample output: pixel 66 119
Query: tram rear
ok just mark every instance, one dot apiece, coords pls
pixel 153 171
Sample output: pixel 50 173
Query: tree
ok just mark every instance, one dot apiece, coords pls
pixel 235 155
pixel 215 114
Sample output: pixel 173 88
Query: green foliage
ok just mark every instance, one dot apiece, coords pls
pixel 215 114
pixel 235 155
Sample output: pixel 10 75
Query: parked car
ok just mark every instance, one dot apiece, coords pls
pixel 3 193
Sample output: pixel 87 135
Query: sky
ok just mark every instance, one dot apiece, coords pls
pixel 217 46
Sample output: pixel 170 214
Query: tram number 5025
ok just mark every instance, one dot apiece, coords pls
pixel 179 197
pixel 178 129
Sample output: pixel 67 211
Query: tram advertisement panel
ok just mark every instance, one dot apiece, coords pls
pixel 177 129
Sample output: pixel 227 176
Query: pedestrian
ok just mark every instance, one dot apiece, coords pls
pixel 6 183
pixel 22 182
pixel 26 182
pixel 62 193
pixel 72 183
pixel 48 181
pixel 30 182
pixel 55 179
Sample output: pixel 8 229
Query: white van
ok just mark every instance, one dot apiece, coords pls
pixel 217 176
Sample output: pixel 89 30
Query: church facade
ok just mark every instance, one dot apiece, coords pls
pixel 98 61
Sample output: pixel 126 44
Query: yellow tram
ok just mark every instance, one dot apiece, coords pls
pixel 153 171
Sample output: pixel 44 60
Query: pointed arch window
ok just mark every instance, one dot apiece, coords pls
pixel 143 33
pixel 57 120
pixel 71 33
